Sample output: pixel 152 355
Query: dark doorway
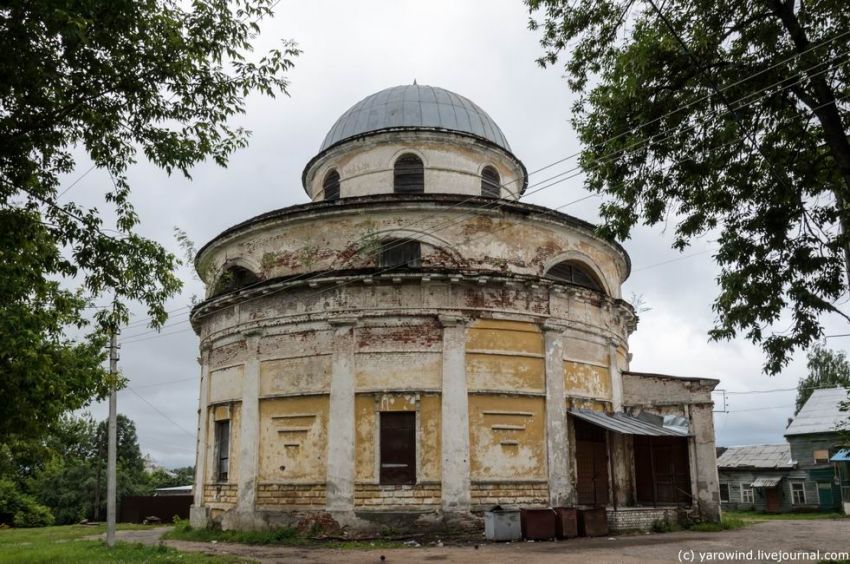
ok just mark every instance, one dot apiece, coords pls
pixel 398 447
pixel 662 473
pixel 773 500
pixel 591 464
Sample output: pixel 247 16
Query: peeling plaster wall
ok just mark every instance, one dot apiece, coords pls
pixel 219 412
pixel 293 439
pixel 461 235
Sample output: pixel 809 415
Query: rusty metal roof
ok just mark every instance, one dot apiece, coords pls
pixel 415 106
pixel 822 413
pixel 626 424
pixel 756 456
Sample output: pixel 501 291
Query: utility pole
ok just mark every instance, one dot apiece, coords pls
pixel 112 448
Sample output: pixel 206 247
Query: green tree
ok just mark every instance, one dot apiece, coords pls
pixel 726 118
pixel 827 369
pixel 109 80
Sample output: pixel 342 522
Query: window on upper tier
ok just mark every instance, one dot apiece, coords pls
pixel 396 253
pixel 330 187
pixel 222 449
pixel 408 175
pixel 398 447
pixel 233 278
pixel 490 183
pixel 574 273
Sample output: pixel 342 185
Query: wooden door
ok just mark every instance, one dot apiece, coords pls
pixel 773 500
pixel 592 486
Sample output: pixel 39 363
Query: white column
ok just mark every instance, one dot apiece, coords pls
pixel 340 476
pixel 557 439
pixel 249 430
pixel 455 415
pixel 198 514
pixel 616 377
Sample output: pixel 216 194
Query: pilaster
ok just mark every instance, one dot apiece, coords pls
pixel 557 438
pixel 249 436
pixel 455 414
pixel 341 421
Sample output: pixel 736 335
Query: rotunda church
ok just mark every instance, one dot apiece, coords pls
pixel 416 344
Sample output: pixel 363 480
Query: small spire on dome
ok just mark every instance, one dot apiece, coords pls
pixel 414 82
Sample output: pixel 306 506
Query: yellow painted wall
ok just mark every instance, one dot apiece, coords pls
pixel 505 355
pixel 219 412
pixel 507 437
pixel 587 380
pixel 367 435
pixel 293 439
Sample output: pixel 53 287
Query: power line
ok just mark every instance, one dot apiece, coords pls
pixel 166 417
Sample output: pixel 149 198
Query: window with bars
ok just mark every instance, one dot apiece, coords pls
pixel 574 273
pixel 330 187
pixel 408 175
pixel 222 449
pixel 490 183
pixel 798 493
pixel 747 495
pixel 399 253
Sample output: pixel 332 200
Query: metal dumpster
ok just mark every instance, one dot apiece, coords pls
pixel 566 522
pixel 593 522
pixel 538 524
pixel 502 524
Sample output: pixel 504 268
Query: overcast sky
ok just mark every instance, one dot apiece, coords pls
pixel 351 50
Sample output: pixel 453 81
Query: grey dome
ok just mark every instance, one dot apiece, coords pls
pixel 411 107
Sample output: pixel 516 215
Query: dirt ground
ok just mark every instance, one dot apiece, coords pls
pixel 770 537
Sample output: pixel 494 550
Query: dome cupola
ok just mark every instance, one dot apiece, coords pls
pixel 414 138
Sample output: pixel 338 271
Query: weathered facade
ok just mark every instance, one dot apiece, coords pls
pixel 759 478
pixel 416 341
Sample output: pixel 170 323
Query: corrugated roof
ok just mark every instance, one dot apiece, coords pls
pixel 842 455
pixel 625 424
pixel 756 456
pixel 821 413
pixel 415 106
pixel 766 481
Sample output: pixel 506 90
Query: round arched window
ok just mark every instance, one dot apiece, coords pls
pixel 330 187
pixel 574 272
pixel 408 175
pixel 490 183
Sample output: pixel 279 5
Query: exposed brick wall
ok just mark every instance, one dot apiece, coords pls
pixel 290 494
pixel 375 495
pixel 220 494
pixel 638 518
pixel 509 493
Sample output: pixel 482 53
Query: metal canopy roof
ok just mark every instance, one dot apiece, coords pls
pixel 626 424
pixel 842 455
pixel 766 481
pixel 415 106
pixel 821 413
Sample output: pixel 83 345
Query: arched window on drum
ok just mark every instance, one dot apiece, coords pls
pixel 574 272
pixel 233 278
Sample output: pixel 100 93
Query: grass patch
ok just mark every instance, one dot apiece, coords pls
pixel 757 516
pixel 50 545
pixel 283 537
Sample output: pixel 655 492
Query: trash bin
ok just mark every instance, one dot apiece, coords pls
pixel 502 524
pixel 538 524
pixel 566 522
pixel 593 522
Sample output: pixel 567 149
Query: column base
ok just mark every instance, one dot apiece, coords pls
pixel 199 517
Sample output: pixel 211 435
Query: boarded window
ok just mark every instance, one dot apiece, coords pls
pixel 724 492
pixel 233 278
pixel 798 493
pixel 662 474
pixel 330 187
pixel 397 253
pixel 574 273
pixel 222 449
pixel 591 464
pixel 398 447
pixel 821 456
pixel 409 175
pixel 490 183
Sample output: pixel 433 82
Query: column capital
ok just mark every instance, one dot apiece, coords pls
pixel 550 326
pixel 451 320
